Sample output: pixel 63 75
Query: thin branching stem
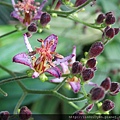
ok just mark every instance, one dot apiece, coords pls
pixel 20 102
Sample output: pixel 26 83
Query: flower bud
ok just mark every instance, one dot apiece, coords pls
pixel 110 18
pixel 97 93
pixel 110 33
pixel 25 113
pixel 108 105
pixel 59 3
pixel 76 67
pixel 78 115
pixel 91 63
pixel 87 74
pixel 45 19
pixel 115 88
pixel 4 115
pixel 79 2
pixel 100 18
pixel 96 49
pixel 116 30
pixel 106 84
pixel 89 107
pixel 32 28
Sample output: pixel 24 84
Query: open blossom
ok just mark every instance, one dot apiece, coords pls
pixel 27 11
pixel 74 82
pixel 42 58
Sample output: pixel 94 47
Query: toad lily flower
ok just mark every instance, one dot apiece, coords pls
pixel 27 11
pixel 42 59
pixel 74 82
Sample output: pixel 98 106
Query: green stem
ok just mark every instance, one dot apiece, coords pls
pixel 83 90
pixel 74 105
pixel 60 84
pixel 8 33
pixel 13 79
pixel 66 13
pixel 3 92
pixel 14 75
pixel 6 4
pixel 19 102
pixel 76 19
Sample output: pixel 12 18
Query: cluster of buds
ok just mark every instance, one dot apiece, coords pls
pixel 77 69
pixel 106 87
pixel 108 19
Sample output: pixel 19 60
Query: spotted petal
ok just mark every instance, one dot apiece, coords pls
pixel 35 74
pixel 59 61
pixel 39 12
pixel 49 39
pixel 15 14
pixel 64 66
pixel 57 80
pixel 27 43
pixel 73 59
pixel 22 58
pixel 55 71
pixel 75 86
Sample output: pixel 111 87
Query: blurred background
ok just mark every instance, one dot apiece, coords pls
pixel 69 34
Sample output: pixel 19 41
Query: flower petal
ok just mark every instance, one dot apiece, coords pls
pixel 73 59
pixel 15 14
pixel 52 38
pixel 75 86
pixel 59 61
pixel 57 80
pixel 27 43
pixel 22 58
pixel 64 66
pixel 39 12
pixel 55 71
pixel 35 74
pixel 92 84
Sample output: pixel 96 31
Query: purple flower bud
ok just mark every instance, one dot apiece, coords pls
pixel 45 19
pixel 116 30
pixel 32 28
pixel 59 3
pixel 100 18
pixel 106 84
pixel 87 74
pixel 96 49
pixel 115 88
pixel 110 18
pixel 78 115
pixel 25 113
pixel 91 63
pixel 79 2
pixel 97 93
pixel 108 105
pixel 110 33
pixel 89 107
pixel 4 115
pixel 76 67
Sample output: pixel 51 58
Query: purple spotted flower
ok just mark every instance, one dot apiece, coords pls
pixel 27 11
pixel 41 59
